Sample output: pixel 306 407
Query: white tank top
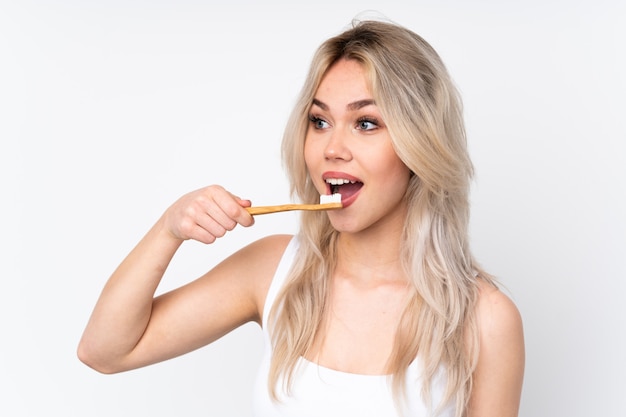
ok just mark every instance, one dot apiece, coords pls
pixel 322 392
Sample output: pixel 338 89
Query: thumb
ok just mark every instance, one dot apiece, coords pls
pixel 243 202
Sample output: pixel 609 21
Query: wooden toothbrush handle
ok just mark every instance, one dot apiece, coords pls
pixel 288 207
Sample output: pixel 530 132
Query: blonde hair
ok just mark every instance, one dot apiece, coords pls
pixel 423 113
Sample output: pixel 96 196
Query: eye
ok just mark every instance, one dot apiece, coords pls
pixel 318 123
pixel 367 124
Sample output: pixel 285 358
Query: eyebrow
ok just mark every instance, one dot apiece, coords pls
pixel 356 105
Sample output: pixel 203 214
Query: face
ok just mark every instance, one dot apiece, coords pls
pixel 348 150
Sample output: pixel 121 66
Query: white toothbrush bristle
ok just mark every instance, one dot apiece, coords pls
pixel 331 198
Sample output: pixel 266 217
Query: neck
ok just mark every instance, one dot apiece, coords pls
pixel 370 255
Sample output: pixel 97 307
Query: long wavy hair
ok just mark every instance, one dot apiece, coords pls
pixel 423 113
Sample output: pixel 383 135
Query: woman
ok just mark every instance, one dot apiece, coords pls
pixel 377 308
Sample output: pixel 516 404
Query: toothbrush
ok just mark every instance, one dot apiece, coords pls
pixel 327 202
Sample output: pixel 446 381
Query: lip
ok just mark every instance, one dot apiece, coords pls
pixel 345 202
pixel 337 174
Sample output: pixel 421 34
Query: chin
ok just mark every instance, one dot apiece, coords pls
pixel 344 225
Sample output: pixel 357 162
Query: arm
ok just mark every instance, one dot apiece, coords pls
pixel 500 369
pixel 130 328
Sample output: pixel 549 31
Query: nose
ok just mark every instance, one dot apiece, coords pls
pixel 337 146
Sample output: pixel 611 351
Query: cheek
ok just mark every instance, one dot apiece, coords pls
pixel 402 170
pixel 396 171
pixel 390 163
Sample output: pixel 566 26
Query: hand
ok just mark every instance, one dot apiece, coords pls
pixel 206 214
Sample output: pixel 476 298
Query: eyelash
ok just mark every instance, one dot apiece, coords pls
pixel 315 120
pixel 370 120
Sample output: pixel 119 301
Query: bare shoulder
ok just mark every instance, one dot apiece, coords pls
pixel 261 254
pixel 499 372
pixel 497 313
pixel 257 263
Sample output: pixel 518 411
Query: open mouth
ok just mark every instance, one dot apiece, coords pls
pixel 343 186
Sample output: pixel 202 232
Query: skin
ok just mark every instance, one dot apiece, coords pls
pixel 130 328
pixel 347 138
pixel 499 373
pixel 369 287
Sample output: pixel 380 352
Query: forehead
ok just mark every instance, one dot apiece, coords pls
pixel 346 80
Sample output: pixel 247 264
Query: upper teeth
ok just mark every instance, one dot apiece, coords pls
pixel 338 181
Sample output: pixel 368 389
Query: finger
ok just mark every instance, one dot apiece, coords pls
pixel 202 235
pixel 211 229
pixel 245 218
pixel 221 218
pixel 233 207
pixel 244 203
pixel 214 219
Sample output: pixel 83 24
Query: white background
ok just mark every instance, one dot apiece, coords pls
pixel 111 110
